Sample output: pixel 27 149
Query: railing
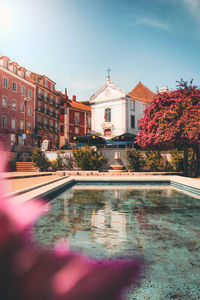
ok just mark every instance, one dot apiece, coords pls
pixel 46 126
pixel 40 96
pixel 21 131
pixel 46 99
pixel 39 125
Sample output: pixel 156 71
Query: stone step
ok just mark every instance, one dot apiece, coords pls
pixel 25 167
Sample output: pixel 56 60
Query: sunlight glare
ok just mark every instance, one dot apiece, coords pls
pixel 5 17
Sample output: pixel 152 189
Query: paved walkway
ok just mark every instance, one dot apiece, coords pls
pixel 18 181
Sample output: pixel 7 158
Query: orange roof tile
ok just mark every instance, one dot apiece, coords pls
pixel 79 105
pixel 142 93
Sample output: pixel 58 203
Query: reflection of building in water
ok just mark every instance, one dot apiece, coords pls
pixel 108 227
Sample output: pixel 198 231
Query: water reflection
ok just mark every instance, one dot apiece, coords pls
pixel 158 222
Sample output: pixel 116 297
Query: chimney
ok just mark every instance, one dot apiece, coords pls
pixel 74 98
pixel 66 97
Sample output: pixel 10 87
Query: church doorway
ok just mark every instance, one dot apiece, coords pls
pixel 107 132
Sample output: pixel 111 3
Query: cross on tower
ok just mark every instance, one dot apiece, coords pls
pixel 108 77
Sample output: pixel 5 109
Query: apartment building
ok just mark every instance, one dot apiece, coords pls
pixel 17 105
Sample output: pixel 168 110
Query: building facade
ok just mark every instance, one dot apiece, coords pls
pixel 47 114
pixel 17 104
pixel 75 119
pixel 115 112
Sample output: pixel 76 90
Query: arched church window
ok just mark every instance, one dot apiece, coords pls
pixel 107 115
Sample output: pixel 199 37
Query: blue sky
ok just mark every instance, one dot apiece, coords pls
pixel 73 42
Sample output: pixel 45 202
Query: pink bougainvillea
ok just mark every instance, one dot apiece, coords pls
pixel 172 117
pixel 28 274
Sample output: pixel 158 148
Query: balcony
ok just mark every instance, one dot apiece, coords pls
pixel 46 99
pixel 40 96
pixel 46 126
pixel 21 131
pixel 39 125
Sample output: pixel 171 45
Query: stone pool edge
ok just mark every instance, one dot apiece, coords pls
pixel 52 188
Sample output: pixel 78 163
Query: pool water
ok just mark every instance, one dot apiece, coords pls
pixel 157 222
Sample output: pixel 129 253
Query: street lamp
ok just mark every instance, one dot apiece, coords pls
pixel 26 99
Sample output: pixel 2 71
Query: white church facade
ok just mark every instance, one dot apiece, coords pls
pixel 115 112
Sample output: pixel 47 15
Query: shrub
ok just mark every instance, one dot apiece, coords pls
pixel 135 160
pixel 153 160
pixel 40 160
pixel 177 160
pixel 68 161
pixel 88 159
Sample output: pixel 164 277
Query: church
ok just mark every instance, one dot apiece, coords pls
pixel 115 112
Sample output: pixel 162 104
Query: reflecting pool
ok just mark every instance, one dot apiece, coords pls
pixel 157 222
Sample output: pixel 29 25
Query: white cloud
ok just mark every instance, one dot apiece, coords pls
pixel 150 21
pixel 193 6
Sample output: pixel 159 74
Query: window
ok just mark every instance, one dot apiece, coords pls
pixel 51 111
pixel 39 118
pixel 45 120
pixel 22 90
pixel 30 110
pixel 13 123
pixel 39 93
pixel 56 124
pixel 77 130
pixel 76 119
pixel 23 74
pixel 14 86
pixel 14 104
pixel 45 133
pixel 89 121
pixel 132 105
pixel 5 82
pixel 21 107
pixel 30 93
pixel 15 69
pixel 39 80
pixel 57 101
pixel 5 63
pixel 39 105
pixel 21 125
pixel 45 108
pixel 45 96
pixel 45 82
pixel 4 121
pixel 132 121
pixel 29 126
pixel 107 116
pixel 5 101
pixel 52 86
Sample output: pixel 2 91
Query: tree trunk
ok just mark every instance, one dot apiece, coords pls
pixel 186 161
pixel 195 165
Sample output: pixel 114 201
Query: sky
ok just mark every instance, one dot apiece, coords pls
pixel 73 42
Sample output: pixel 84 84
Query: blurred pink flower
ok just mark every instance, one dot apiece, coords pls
pixel 27 273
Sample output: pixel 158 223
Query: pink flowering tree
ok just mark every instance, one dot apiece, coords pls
pixel 173 120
